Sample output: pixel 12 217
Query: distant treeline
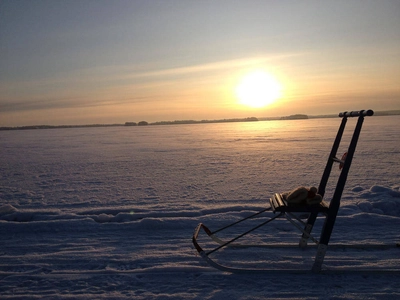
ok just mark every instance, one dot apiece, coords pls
pixel 177 122
pixel 376 113
pixel 143 123
pixel 387 113
pixel 251 119
pixel 56 126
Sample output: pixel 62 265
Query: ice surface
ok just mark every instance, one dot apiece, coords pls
pixel 108 213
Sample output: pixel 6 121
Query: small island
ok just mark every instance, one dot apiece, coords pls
pixel 295 117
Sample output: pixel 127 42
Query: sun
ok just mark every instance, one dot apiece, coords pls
pixel 258 89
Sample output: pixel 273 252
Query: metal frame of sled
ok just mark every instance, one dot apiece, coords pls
pixel 283 210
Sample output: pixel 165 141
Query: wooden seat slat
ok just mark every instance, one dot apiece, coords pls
pixel 278 204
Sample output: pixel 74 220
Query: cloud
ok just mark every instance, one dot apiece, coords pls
pixel 115 85
pixel 221 65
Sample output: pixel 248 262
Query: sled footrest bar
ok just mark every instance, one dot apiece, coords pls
pixel 241 220
pixel 223 244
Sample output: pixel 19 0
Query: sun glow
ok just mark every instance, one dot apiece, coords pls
pixel 258 89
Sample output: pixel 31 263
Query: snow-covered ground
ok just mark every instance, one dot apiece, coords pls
pixel 108 213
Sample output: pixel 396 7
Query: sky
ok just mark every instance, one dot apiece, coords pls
pixel 95 61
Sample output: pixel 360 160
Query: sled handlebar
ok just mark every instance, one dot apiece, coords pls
pixel 363 113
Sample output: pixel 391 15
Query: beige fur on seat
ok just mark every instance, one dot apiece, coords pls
pixel 303 195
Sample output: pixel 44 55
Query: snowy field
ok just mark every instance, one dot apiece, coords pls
pixel 108 213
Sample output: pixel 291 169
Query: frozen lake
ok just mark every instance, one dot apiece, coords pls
pixel 109 212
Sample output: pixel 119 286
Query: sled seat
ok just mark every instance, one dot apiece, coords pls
pixel 279 204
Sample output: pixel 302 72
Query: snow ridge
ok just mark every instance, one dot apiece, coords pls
pixel 376 200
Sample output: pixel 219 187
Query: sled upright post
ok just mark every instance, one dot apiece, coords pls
pixel 345 167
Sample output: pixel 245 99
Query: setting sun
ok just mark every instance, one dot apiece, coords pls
pixel 258 89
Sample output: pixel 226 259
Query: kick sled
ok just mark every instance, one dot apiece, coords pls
pixel 301 213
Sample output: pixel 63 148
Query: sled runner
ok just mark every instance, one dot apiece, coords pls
pixel 293 212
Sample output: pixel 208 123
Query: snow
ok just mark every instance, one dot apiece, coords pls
pixel 108 213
